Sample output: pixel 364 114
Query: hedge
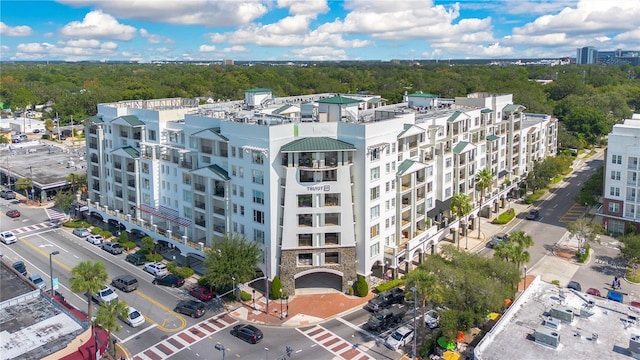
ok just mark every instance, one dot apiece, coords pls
pixel 154 257
pixel 183 271
pixel 245 296
pixel 389 285
pixel 535 196
pixel 505 217
pixel 74 224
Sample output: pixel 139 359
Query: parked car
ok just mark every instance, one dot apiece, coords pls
pixel 113 223
pixel 399 338
pixel 138 233
pixel 81 232
pixel 13 213
pixel 574 285
pixel 594 292
pixel 157 269
pixel 192 308
pixel 8 237
pixel 95 239
pixel 134 318
pixel 20 267
pixel 202 293
pixel 37 281
pixel 106 295
pixel 126 283
pixel 112 247
pixel 385 317
pixel 171 280
pixel 615 296
pixel 248 333
pixel 8 194
pixel 386 299
pixel 136 259
pixel 533 215
pixel 432 319
pixel 498 238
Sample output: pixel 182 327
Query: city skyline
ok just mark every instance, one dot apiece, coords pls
pixel 314 30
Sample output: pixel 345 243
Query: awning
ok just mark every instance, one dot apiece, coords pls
pixel 165 213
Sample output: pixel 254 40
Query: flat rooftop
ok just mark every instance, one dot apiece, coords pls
pixel 31 325
pixel 605 334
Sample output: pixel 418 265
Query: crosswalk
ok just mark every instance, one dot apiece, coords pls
pixel 34 227
pixel 55 214
pixel 185 338
pixel 334 343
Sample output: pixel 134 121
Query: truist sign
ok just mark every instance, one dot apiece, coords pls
pixel 319 188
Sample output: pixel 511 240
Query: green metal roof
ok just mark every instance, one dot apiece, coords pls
pixel 492 138
pixel 282 108
pixel 460 147
pixel 219 171
pixel 486 111
pixel 455 116
pixel 316 144
pixel 131 151
pixel 404 166
pixel 132 120
pixel 258 90
pixel 423 95
pixel 513 107
pixel 95 119
pixel 339 100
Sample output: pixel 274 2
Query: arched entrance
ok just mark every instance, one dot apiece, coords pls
pixel 318 280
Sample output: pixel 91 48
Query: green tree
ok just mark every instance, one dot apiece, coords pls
pixel 631 247
pixel 64 201
pixel 461 206
pixel 49 125
pixel 276 286
pixel 4 139
pixel 591 189
pixel 584 231
pixel 234 256
pixel 360 286
pixel 148 245
pixel 22 98
pixel 108 314
pixel 427 288
pixel 484 179
pixel 88 277
pixel 25 184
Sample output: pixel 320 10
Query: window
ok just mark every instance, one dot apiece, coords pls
pixel 234 190
pixel 331 219
pixel 386 205
pixel 614 207
pixel 258 197
pixel 257 176
pixel 614 191
pixel 375 154
pixel 332 200
pixel 447 193
pixel 393 165
pixel 256 157
pixel 258 216
pixel 447 163
pixel 186 195
pixel 387 168
pixel 615 175
pixel 152 135
pixel 235 208
pixel 375 212
pixel 393 148
pixel 241 191
pixel 233 151
pixel 387 186
pixel 375 230
pixel 305 259
pixel 616 159
pixel 447 177
pixel 375 173
pixel 332 258
pixel 233 170
pixel 242 212
pixel 305 220
pixel 393 184
pixel 240 171
pixel 375 193
pixel 374 249
pixel 332 239
pixel 258 236
pixel 241 154
pixel 305 240
pixel 305 201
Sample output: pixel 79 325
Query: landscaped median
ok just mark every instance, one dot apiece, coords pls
pixel 505 217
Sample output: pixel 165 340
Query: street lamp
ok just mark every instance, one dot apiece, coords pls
pixel 415 327
pixel 280 303
pixel 254 299
pixel 221 347
pixel 233 279
pixel 115 341
pixel 51 268
pixel 287 313
pixel 525 278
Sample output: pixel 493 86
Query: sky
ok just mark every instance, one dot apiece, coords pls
pixel 312 30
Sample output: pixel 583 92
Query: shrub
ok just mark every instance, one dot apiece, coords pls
pixel 505 217
pixel 128 245
pixel 360 287
pixel 183 271
pixel 96 231
pixel 389 285
pixel 154 257
pixel 583 254
pixel 556 282
pixel 124 237
pixel 535 196
pixel 245 296
pixel 74 224
pixel 276 285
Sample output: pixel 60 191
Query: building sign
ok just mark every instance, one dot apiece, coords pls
pixel 319 188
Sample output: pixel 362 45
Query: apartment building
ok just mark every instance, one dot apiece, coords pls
pixel 621 204
pixel 344 185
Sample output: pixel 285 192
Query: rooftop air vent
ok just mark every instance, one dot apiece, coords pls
pixel 563 313
pixel 546 336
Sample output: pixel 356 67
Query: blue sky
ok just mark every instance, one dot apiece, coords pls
pixel 293 30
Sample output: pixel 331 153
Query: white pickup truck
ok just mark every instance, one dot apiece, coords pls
pixel 105 295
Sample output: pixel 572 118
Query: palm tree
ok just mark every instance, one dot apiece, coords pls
pixel 108 314
pixel 427 287
pixel 521 238
pixel 461 206
pixel 484 179
pixel 88 277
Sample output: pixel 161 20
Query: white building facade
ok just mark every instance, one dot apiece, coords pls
pixel 358 188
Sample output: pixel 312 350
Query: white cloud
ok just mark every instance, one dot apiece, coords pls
pixel 98 25
pixel 306 7
pixel 207 48
pixel 15 31
pixel 84 43
pixel 73 50
pixel 630 36
pixel 320 53
pixel 154 38
pixel 216 38
pixel 185 12
pixel 235 49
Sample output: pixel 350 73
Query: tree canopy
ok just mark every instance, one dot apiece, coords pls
pixel 233 257
pixel 88 277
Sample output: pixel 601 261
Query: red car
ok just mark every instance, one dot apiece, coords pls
pixel 594 292
pixel 202 293
pixel 13 213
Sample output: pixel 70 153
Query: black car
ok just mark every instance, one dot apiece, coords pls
pixel 191 307
pixel 136 259
pixel 172 280
pixel 117 225
pixel 248 333
pixel 574 285
pixel 386 299
pixel 20 267
pixel 138 233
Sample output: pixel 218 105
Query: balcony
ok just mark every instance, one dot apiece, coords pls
pixel 131 183
pixel 206 150
pixel 199 187
pixel 201 222
pixel 219 192
pixel 117 165
pixel 186 165
pixel 93 145
pixel 218 210
pixel 200 205
pixel 95 173
pixel 219 229
pixel 119 194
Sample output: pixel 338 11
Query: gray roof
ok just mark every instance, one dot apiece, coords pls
pixel 131 120
pixel 95 119
pixel 341 100
pixel 423 95
pixel 513 107
pixel 317 144
pixel 492 137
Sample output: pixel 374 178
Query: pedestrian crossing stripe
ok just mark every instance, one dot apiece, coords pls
pixel 35 227
pixel 334 343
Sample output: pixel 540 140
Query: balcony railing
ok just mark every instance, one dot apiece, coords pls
pixel 199 187
pixel 199 205
pixel 219 210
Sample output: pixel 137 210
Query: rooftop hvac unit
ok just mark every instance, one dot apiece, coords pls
pixel 563 313
pixel 552 323
pixel 546 336
pixel 586 311
pixel 634 346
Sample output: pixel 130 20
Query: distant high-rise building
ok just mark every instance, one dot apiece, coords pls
pixel 229 62
pixel 587 55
